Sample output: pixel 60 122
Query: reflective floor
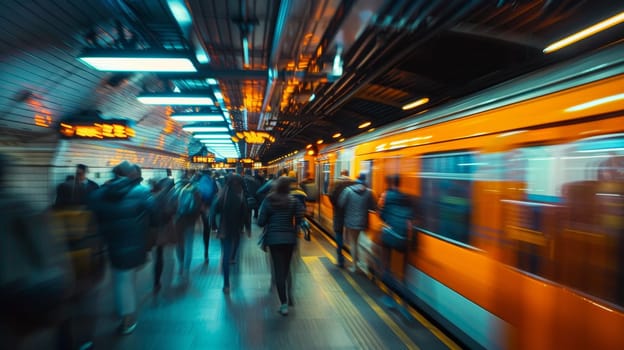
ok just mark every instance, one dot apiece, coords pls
pixel 333 308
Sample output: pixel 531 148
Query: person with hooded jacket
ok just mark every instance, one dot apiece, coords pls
pixel 356 200
pixel 340 184
pixel 228 206
pixel 123 208
pixel 280 215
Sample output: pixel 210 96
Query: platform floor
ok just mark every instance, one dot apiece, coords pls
pixel 334 309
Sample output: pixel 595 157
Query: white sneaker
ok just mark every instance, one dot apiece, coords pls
pixel 283 309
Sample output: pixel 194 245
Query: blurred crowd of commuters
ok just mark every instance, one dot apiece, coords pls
pixel 54 272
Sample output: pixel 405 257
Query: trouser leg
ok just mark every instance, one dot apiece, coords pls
pixel 188 248
pixel 168 262
pixel 281 254
pixel 158 265
pixel 124 284
pixel 235 244
pixel 206 230
pixel 226 253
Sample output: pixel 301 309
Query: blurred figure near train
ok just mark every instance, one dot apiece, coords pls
pixel 166 236
pixel 340 184
pixel 123 211
pixel 188 210
pixel 281 213
pixel 35 275
pixel 396 209
pixel 356 200
pixel 264 190
pixel 75 190
pixel 229 222
pixel 208 191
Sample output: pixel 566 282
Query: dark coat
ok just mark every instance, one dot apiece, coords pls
pixel 280 221
pixel 226 214
pixel 123 209
pixel 397 210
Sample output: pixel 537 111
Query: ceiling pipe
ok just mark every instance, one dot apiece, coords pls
pixel 278 36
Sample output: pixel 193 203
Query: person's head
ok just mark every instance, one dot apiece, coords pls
pixel 282 186
pixel 135 173
pixel 284 172
pixel 362 178
pixel 271 176
pixel 344 172
pixel 248 172
pixel 123 169
pixel 234 182
pixel 81 172
pixel 393 181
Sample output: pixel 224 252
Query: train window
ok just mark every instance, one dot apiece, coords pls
pixel 366 167
pixel 446 181
pixel 325 179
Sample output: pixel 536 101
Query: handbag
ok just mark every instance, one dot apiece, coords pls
pixel 392 239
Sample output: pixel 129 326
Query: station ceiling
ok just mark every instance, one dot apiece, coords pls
pixel 311 68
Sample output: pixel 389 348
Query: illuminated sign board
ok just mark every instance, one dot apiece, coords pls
pixel 102 130
pixel 231 160
pixel 255 137
pixel 247 160
pixel 202 159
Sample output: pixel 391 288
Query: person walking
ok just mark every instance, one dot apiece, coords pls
pixel 340 184
pixel 280 215
pixel 228 206
pixel 356 200
pixel 123 208
pixel 188 210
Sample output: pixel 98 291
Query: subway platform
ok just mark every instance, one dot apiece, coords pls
pixel 333 309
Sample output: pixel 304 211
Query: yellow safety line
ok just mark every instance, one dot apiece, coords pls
pixel 395 328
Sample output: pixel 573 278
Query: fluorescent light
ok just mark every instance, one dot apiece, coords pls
pixel 336 135
pixel 198 117
pixel 180 12
pixel 212 136
pixel 175 99
pixel 218 95
pixel 212 81
pixel 205 128
pixel 312 97
pixel 217 141
pixel 137 61
pixel 364 125
pixel 245 51
pixel 587 32
pixel 415 104
pixel 595 103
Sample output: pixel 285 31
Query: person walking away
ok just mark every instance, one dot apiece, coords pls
pixel 123 209
pixel 166 236
pixel 208 190
pixel 356 200
pixel 397 210
pixel 188 211
pixel 340 184
pixel 228 206
pixel 281 213
pixel 251 186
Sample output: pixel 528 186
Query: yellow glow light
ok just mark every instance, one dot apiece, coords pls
pixel 364 125
pixel 587 32
pixel 415 104
pixel 311 152
pixel 319 142
pixel 336 135
pixel 309 146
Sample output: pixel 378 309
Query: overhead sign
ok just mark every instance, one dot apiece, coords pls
pixel 202 159
pixel 109 130
pixel 251 136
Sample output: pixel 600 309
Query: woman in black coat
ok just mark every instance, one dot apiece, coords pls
pixel 281 214
pixel 229 216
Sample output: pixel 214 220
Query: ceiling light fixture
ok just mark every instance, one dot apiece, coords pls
pixel 198 117
pixel 205 128
pixel 113 60
pixel 212 136
pixel 217 141
pixel 364 125
pixel 336 135
pixel 415 104
pixel 587 32
pixel 175 99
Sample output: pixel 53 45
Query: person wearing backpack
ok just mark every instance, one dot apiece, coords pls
pixel 165 207
pixel 187 212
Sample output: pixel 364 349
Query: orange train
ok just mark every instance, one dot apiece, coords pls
pixel 519 239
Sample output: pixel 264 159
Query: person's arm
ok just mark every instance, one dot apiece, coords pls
pixel 263 215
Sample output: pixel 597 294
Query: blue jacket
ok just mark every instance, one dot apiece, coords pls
pixel 280 222
pixel 398 209
pixel 123 210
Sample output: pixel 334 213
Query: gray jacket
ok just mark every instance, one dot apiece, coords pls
pixel 280 222
pixel 357 200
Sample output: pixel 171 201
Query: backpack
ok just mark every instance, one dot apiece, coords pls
pixel 207 188
pixel 187 202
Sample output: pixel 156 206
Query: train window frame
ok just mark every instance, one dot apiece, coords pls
pixel 432 210
pixel 325 178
